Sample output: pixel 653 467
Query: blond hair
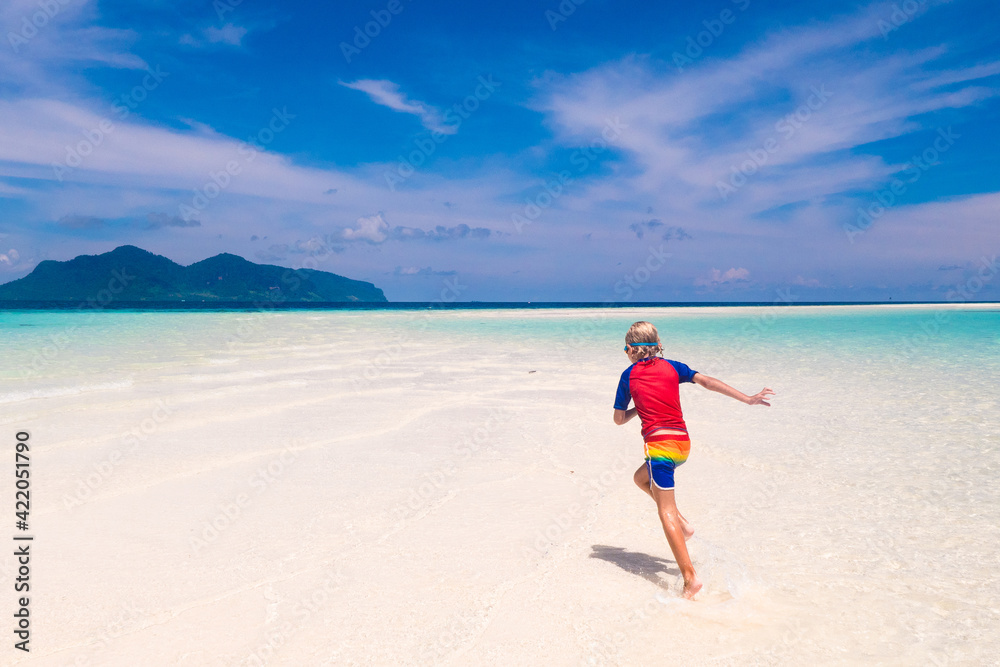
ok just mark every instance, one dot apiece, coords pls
pixel 644 332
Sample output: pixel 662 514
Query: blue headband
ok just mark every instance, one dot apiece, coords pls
pixel 634 344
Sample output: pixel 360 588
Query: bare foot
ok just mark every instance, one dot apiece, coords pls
pixel 691 588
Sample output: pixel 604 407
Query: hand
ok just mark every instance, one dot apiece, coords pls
pixel 760 398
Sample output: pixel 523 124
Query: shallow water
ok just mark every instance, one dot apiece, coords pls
pixel 427 481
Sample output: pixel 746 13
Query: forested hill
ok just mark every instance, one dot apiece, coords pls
pixel 133 274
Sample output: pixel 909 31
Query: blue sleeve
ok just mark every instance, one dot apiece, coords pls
pixel 624 395
pixel 684 373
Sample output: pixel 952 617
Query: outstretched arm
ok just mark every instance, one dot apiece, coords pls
pixel 622 416
pixel 712 384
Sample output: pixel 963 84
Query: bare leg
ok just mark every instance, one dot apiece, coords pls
pixel 669 517
pixel 641 479
pixel 686 528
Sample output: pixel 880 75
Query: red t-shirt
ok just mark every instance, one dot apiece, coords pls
pixel 654 385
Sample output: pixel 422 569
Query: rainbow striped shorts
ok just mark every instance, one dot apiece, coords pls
pixel 664 452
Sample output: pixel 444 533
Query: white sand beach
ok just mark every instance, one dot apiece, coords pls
pixel 375 488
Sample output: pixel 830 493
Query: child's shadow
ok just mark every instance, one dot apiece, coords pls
pixel 635 562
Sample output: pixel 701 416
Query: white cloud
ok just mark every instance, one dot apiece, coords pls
pixel 11 190
pixel 387 94
pixel 422 272
pixel 39 133
pixel 37 56
pixel 717 277
pixel 229 34
pixel 672 152
pixel 685 132
pixel 956 231
pixel 159 220
pixel 806 282
pixel 139 168
pixel 372 229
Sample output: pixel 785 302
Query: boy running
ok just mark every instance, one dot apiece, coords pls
pixel 654 384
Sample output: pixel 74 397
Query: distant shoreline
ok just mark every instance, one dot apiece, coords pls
pixel 159 306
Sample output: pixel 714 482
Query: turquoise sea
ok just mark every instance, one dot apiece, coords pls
pixel 43 345
pixel 855 520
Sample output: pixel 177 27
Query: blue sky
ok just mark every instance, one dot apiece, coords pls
pixel 735 150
